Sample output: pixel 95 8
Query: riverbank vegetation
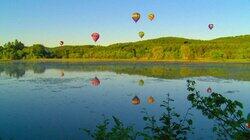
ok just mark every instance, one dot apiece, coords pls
pixel 161 49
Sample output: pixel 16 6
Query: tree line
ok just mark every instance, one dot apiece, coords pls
pixel 168 48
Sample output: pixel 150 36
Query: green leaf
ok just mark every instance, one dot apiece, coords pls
pixel 190 122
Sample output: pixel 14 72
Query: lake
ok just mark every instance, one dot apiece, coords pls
pixel 55 100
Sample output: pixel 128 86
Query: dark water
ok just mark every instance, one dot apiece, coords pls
pixel 37 102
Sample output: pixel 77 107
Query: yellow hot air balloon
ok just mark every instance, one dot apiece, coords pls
pixel 151 100
pixel 141 34
pixel 136 16
pixel 151 16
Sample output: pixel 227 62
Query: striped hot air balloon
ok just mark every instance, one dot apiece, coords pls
pixel 136 17
pixel 151 16
pixel 151 100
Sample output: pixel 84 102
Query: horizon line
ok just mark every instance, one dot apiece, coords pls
pixel 180 37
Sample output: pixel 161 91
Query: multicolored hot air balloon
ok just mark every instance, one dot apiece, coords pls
pixel 209 90
pixel 151 100
pixel 95 82
pixel 151 16
pixel 61 43
pixel 95 36
pixel 136 100
pixel 210 26
pixel 136 16
pixel 141 34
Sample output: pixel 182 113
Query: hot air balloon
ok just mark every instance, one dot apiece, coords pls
pixel 136 16
pixel 151 100
pixel 141 82
pixel 210 26
pixel 62 74
pixel 151 16
pixel 135 100
pixel 95 82
pixel 141 34
pixel 61 43
pixel 95 36
pixel 209 90
pixel 248 121
pixel 248 125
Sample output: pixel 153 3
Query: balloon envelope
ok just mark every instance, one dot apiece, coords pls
pixel 61 43
pixel 136 16
pixel 95 82
pixel 62 74
pixel 248 125
pixel 209 90
pixel 141 34
pixel 141 82
pixel 135 100
pixel 95 36
pixel 151 16
pixel 210 26
pixel 151 100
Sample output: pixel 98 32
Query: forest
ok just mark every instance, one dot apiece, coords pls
pixel 166 48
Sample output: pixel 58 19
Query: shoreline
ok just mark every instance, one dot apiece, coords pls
pixel 229 61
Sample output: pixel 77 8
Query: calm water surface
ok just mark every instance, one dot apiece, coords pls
pixel 37 102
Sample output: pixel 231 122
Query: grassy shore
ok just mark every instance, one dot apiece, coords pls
pixel 130 61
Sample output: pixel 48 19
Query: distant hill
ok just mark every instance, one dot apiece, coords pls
pixel 165 48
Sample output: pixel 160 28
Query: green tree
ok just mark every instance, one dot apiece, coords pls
pixel 39 51
pixel 1 52
pixel 11 50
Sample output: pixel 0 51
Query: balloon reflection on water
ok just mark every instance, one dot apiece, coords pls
pixel 141 82
pixel 209 90
pixel 136 100
pixel 151 100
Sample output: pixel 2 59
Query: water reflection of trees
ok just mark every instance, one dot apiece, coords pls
pixel 158 70
pixel 38 68
pixel 14 70
pixel 17 70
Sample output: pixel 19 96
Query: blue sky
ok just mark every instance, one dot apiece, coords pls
pixel 49 21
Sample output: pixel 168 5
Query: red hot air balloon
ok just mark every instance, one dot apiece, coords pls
pixel 95 36
pixel 95 82
pixel 210 26
pixel 209 90
pixel 61 43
